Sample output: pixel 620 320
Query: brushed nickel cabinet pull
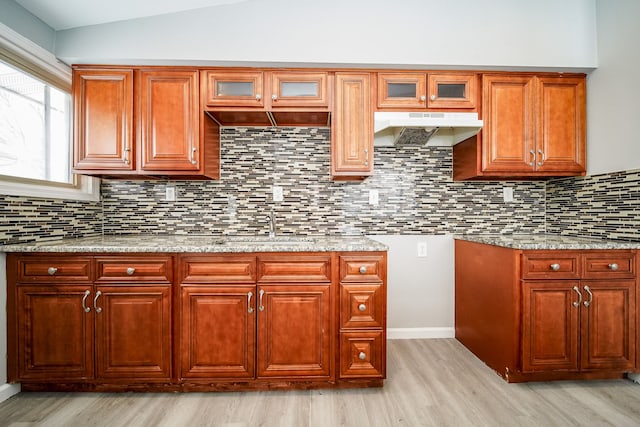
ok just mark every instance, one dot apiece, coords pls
pixel 555 267
pixel 84 301
pixel 362 355
pixel 613 267
pixel 52 271
pixel 249 296
pixel 95 302
pixel 533 157
pixel 362 307
pixel 130 271
pixel 362 269
pixel 577 303
pixel 126 156
pixel 260 306
pixel 588 290
pixel 542 159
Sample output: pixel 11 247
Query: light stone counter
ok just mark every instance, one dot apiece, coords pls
pixel 201 244
pixel 547 242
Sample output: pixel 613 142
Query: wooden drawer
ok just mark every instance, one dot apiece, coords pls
pixel 609 265
pixel 361 306
pixel 218 269
pixel 362 355
pixel 362 268
pixel 134 269
pixel 54 269
pixel 557 265
pixel 294 268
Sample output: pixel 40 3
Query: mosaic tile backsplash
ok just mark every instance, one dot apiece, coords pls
pixel 416 193
pixel 24 220
pixel 602 206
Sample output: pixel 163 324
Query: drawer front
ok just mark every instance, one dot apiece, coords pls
pixel 361 306
pixel 362 268
pixel 134 269
pixel 362 355
pixel 218 269
pixel 609 265
pixel 54 269
pixel 550 266
pixel 294 268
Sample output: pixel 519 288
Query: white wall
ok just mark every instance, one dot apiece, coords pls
pixel 20 20
pixel 420 292
pixel 461 33
pixel 613 110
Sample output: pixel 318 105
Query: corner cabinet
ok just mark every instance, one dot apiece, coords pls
pixel 165 137
pixel 352 130
pixel 565 315
pixel 534 126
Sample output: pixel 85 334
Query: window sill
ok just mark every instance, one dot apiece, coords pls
pixel 86 189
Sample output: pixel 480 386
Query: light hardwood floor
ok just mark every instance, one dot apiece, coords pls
pixel 431 383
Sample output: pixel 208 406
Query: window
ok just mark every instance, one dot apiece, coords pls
pixel 34 128
pixel 35 123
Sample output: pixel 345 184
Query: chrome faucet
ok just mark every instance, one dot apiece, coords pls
pixel 271 218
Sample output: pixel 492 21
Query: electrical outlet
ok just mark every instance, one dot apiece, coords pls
pixel 373 197
pixel 507 194
pixel 278 194
pixel 170 194
pixel 422 249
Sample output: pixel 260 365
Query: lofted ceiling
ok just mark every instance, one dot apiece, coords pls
pixel 65 14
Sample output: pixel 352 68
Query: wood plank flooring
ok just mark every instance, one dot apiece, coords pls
pixel 434 382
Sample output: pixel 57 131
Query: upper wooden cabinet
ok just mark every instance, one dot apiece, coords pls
pixel 352 130
pixel 534 126
pixel 267 98
pixel 103 120
pixel 442 91
pixel 164 139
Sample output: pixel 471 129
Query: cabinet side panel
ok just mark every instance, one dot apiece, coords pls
pixel 487 308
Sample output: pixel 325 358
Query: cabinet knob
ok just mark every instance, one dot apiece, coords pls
pixel 613 267
pixel 423 98
pixel 362 307
pixel 433 97
pixel 52 271
pixel 274 97
pixel 362 355
pixel 362 269
pixel 258 97
pixel 555 267
pixel 130 271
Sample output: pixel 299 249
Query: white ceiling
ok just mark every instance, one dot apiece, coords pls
pixel 65 14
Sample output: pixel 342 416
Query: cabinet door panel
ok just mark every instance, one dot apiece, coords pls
pixel 55 334
pixel 294 331
pixel 233 89
pixel 402 90
pixel 133 332
pixel 103 120
pixel 299 89
pixel 508 133
pixel 352 139
pixel 218 332
pixel 550 326
pixel 169 124
pixel 560 137
pixel 608 326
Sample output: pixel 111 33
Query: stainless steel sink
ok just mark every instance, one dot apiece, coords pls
pixel 265 240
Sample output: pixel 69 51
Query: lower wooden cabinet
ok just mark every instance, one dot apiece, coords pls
pixel 183 322
pixel 544 315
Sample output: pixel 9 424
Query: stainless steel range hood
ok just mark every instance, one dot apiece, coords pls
pixel 436 128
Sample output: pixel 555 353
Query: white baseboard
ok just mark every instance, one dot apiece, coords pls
pixel 8 390
pixel 418 333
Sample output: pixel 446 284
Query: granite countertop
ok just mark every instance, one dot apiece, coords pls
pixel 201 243
pixel 547 241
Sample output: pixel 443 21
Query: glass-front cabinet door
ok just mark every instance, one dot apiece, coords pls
pixel 449 90
pixel 299 89
pixel 402 90
pixel 234 89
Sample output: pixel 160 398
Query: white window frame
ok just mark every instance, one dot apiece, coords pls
pixel 83 187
